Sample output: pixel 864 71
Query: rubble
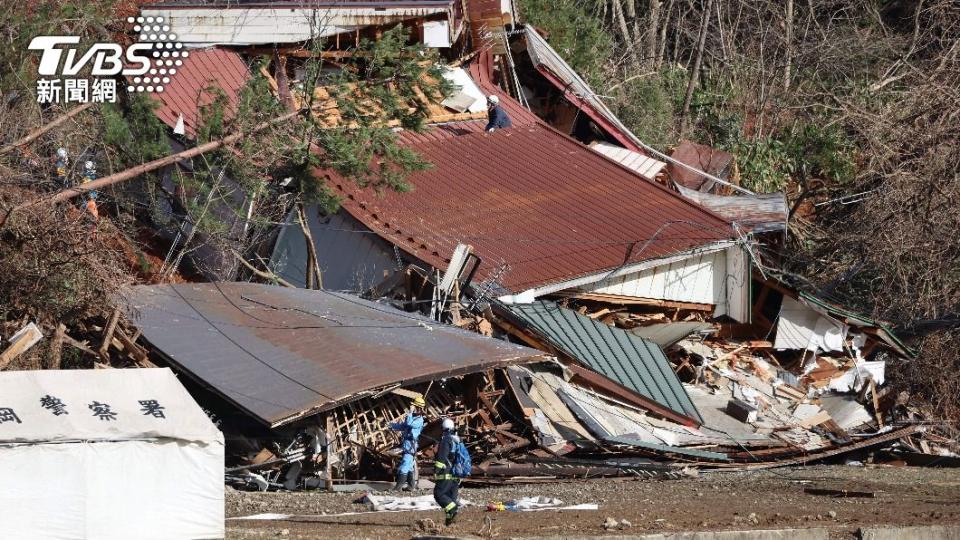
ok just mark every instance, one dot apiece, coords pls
pixel 589 311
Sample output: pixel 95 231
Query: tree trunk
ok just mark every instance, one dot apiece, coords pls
pixel 697 60
pixel 664 25
pixel 54 359
pixel 35 134
pixel 651 55
pixel 788 38
pixel 314 277
pixel 626 37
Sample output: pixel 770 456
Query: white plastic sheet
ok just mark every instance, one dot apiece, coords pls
pixel 801 327
pixel 112 490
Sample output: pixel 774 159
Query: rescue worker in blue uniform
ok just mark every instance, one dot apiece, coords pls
pixel 410 430
pixel 446 486
pixel 496 117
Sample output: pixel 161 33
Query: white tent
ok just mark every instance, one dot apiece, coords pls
pixel 112 453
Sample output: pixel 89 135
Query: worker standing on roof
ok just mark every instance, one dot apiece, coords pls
pixel 497 117
pixel 446 486
pixel 409 430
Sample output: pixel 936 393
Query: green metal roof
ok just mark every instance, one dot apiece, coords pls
pixel 634 362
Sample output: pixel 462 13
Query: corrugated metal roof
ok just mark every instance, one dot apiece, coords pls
pixel 530 198
pixel 187 90
pixel 645 166
pixel 576 90
pixel 633 362
pixel 701 157
pixel 627 440
pixel 479 71
pixel 281 353
pixel 763 212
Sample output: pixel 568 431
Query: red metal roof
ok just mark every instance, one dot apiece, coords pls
pixel 187 90
pixel 535 200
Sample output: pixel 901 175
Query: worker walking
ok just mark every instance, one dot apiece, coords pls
pixel 496 117
pixel 410 430
pixel 446 485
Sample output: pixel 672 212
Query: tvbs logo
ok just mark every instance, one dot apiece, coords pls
pixel 147 65
pixel 105 59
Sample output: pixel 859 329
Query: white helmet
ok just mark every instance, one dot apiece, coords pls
pixel 62 152
pixel 88 165
pixel 493 99
pixel 447 424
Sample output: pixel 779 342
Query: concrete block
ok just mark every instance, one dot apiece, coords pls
pixel 935 532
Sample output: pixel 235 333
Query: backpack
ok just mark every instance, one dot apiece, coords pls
pixel 461 465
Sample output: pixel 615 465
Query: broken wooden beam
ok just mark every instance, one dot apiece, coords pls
pixel 21 342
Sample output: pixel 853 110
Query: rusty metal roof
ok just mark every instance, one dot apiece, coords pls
pixel 533 200
pixel 188 88
pixel 281 354
pixel 702 157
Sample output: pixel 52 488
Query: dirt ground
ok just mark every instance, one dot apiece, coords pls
pixel 716 501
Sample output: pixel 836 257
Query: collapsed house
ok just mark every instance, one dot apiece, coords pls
pixel 129 451
pixel 323 372
pixel 644 335
pixel 577 240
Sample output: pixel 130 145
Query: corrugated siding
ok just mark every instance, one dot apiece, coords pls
pixel 697 279
pixel 635 363
pixel 646 166
pixel 763 212
pixel 249 26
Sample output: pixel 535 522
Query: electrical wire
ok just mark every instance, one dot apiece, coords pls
pixel 245 350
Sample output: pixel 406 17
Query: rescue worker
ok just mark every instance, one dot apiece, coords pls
pixel 446 486
pixel 62 161
pixel 89 175
pixel 496 117
pixel 409 430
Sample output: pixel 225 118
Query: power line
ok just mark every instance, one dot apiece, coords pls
pixel 244 349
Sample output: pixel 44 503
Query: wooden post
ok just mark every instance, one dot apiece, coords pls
pixel 328 454
pixel 56 347
pixel 108 336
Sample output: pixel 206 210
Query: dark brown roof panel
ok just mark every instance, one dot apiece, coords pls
pixel 280 353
